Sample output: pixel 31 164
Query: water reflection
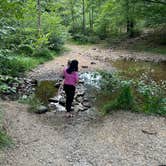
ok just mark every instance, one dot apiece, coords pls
pixel 132 69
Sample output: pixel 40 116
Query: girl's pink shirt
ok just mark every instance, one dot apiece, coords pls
pixel 70 79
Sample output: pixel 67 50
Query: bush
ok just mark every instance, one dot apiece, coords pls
pixel 143 95
pixel 43 53
pixel 55 42
pixel 13 65
pixel 83 39
pixel 25 49
pixel 124 100
pixel 93 39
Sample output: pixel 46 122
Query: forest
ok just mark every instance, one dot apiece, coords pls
pixel 121 49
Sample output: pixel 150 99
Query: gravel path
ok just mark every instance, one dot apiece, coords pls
pixel 88 139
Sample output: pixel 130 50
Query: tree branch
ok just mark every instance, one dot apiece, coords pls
pixel 155 1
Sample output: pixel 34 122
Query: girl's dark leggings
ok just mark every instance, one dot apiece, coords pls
pixel 70 92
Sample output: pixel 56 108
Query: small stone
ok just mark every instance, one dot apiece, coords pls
pixel 86 104
pixel 34 82
pixel 81 93
pixel 85 99
pixel 81 81
pixel 93 63
pixel 79 107
pixel 84 67
pixel 52 105
pixel 79 99
pixel 57 85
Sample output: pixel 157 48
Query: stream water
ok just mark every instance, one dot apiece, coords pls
pixel 46 89
pixel 132 69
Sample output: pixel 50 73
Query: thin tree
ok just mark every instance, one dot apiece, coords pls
pixel 39 17
pixel 83 17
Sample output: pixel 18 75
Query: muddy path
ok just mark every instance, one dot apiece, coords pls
pixel 88 139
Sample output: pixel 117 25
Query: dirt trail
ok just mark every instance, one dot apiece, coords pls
pixel 53 68
pixel 88 139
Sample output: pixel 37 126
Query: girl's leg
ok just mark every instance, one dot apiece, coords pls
pixel 70 92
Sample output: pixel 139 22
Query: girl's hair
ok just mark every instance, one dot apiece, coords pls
pixel 73 67
pixel 68 63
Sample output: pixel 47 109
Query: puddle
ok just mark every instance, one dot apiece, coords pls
pixel 45 90
pixel 132 69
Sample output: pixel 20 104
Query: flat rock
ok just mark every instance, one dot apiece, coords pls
pixel 54 99
pixel 60 108
pixel 79 107
pixel 41 109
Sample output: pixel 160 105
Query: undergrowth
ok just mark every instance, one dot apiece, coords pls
pixel 141 95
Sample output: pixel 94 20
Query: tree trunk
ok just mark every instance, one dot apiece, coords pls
pixel 39 17
pixel 83 17
pixel 73 20
pixel 92 18
pixel 129 20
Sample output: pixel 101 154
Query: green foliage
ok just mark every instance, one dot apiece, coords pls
pixel 55 42
pixel 25 49
pixel 6 83
pixel 83 39
pixel 43 53
pixel 33 103
pixel 14 65
pixel 5 140
pixel 140 95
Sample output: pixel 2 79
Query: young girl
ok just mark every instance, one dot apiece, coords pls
pixel 70 81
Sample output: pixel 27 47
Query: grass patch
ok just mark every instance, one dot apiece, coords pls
pixel 5 140
pixel 32 101
pixel 14 65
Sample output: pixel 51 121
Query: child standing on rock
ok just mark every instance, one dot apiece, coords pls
pixel 70 80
